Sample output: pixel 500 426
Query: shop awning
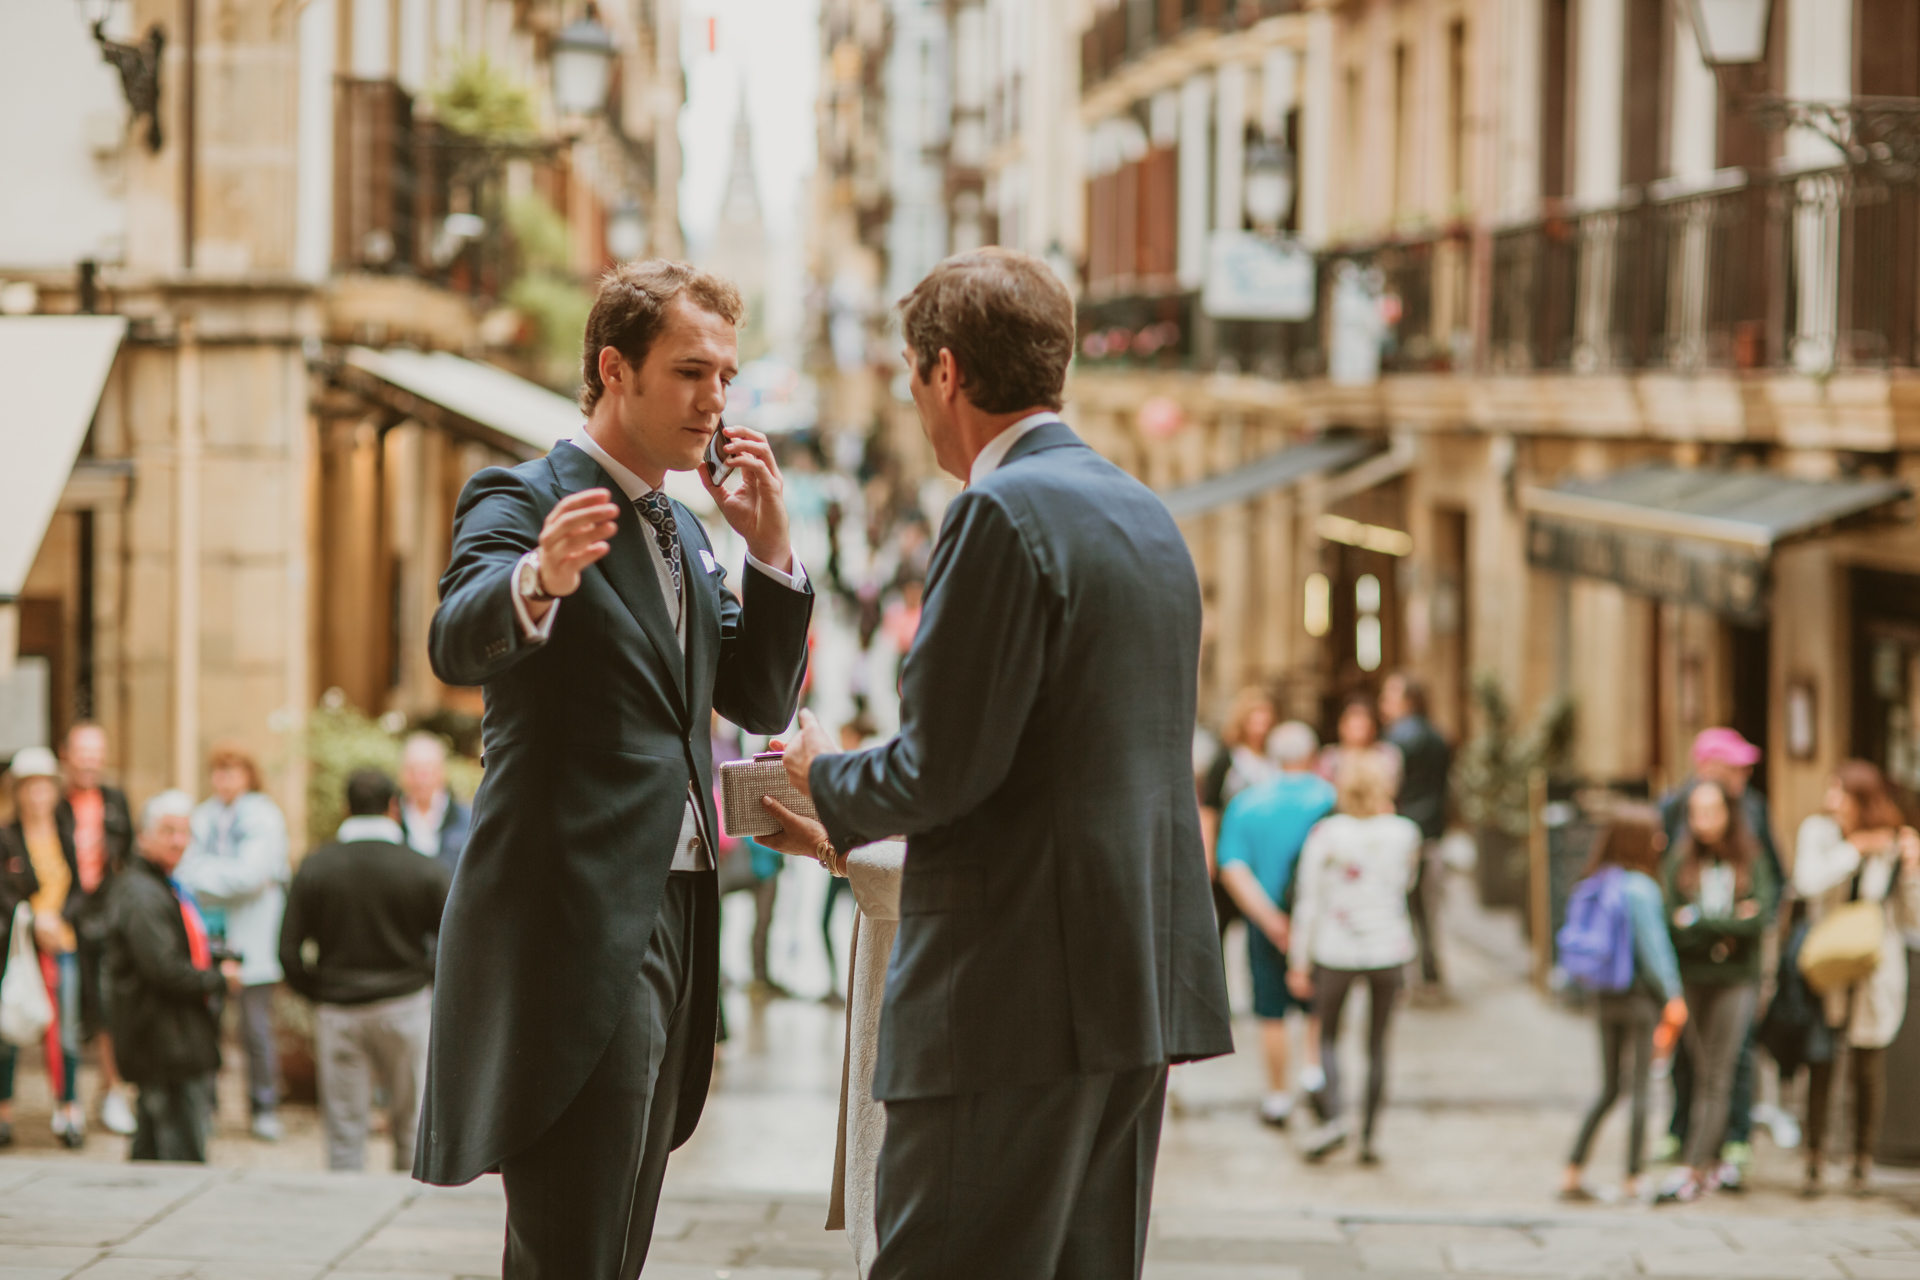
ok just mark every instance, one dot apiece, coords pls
pixel 479 400
pixel 1699 536
pixel 52 370
pixel 1276 470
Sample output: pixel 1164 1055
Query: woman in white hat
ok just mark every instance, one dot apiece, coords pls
pixel 35 843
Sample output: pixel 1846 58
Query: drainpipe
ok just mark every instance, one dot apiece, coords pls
pixel 186 561
pixel 189 58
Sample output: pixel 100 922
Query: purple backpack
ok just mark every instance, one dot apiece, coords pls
pixel 1596 942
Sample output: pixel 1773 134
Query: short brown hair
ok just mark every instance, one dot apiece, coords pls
pixel 1632 838
pixel 1007 320
pixel 631 309
pixel 225 754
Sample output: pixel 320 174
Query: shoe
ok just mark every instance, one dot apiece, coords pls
pixel 763 991
pixel 116 1116
pixel 1729 1177
pixel 1680 1187
pixel 1813 1186
pixel 1667 1150
pixel 834 1000
pixel 267 1127
pixel 1276 1109
pixel 1858 1182
pixel 1780 1123
pixel 1738 1153
pixel 1369 1155
pixel 6 1133
pixel 1330 1138
pixel 70 1127
pixel 1578 1195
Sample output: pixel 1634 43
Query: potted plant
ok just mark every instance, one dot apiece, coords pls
pixel 1490 783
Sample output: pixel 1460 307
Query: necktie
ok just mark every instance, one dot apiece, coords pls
pixel 657 510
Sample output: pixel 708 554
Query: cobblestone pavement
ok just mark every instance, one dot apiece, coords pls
pixel 1484 1097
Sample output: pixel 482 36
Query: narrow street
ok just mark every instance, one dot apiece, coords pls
pixel 1484 1097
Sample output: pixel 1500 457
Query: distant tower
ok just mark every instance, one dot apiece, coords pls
pixel 738 247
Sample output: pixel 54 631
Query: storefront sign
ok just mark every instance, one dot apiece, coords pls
pixel 1722 579
pixel 1253 278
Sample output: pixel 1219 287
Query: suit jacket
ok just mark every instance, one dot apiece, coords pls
pixel 1055 914
pixel 164 1026
pixel 454 826
pixel 1425 774
pixel 590 739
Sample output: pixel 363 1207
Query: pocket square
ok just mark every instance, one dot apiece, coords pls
pixel 708 562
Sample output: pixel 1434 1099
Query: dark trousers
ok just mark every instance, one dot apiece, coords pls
pixel 173 1121
pixel 1626 1045
pixel 765 894
pixel 581 1199
pixel 1423 910
pixel 1868 1067
pixel 1330 990
pixel 1039 1182
pixel 1740 1107
pixel 1719 1017
pixel 256 1030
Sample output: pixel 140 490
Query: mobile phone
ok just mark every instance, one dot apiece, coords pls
pixel 717 469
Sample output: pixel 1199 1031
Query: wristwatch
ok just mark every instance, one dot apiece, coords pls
pixel 527 579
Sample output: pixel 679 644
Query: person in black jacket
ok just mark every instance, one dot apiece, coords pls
pixel 161 990
pixel 358 940
pixel 1057 948
pixel 1426 766
pixel 17 885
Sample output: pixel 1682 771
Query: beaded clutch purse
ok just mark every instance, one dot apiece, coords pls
pixel 744 782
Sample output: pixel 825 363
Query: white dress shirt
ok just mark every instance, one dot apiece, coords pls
pixel 989 458
pixel 423 829
pixel 690 852
pixel 370 826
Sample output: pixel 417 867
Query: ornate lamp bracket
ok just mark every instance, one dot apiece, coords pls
pixel 1881 133
pixel 139 68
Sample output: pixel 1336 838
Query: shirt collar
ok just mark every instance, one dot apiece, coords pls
pixel 630 484
pixel 370 826
pixel 989 459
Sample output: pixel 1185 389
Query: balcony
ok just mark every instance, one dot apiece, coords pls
pixel 1813 271
pixel 1131 29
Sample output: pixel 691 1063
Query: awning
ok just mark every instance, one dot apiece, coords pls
pixel 1698 536
pixel 52 369
pixel 488 403
pixel 1277 470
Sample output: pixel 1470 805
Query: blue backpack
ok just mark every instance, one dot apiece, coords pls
pixel 1596 942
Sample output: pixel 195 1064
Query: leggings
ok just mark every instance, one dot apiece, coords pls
pixel 1868 1067
pixel 1626 1029
pixel 1330 988
pixel 1718 1018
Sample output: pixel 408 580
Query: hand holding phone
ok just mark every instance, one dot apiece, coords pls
pixel 716 466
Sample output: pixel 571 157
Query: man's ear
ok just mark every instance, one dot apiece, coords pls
pixel 947 371
pixel 613 367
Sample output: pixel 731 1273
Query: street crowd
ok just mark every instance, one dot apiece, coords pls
pixel 1683 916
pixel 133 935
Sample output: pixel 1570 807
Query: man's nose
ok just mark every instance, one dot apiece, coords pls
pixel 713 396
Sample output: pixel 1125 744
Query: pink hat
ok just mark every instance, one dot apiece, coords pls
pixel 1724 746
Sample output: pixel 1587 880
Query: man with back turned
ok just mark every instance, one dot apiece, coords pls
pixel 1056 948
pixel 576 993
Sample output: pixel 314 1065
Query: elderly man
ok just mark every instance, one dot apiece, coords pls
pixel 162 984
pixel 435 823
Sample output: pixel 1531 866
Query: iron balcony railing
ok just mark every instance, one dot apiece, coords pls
pixel 1132 29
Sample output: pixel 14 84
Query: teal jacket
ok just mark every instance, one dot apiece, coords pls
pixel 1655 967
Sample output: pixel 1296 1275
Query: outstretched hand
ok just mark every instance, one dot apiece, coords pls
pixel 802 750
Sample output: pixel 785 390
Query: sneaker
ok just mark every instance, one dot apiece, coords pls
pixel 1780 1124
pixel 1329 1138
pixel 70 1126
pixel 6 1133
pixel 1276 1109
pixel 267 1127
pixel 1729 1177
pixel 1680 1187
pixel 116 1116
pixel 1739 1157
pixel 1667 1150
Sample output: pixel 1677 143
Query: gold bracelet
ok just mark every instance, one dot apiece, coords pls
pixel 823 854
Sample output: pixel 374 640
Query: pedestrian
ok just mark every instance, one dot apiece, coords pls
pixel 1239 763
pixel 1350 928
pixel 237 872
pixel 18 885
pixel 435 821
pixel 57 902
pixel 854 735
pixel 1057 950
pixel 101 824
pixel 1720 898
pixel 1723 756
pixel 1642 984
pixel 367 909
pixel 1859 850
pixel 765 865
pixel 1427 766
pixel 163 988
pixel 1260 842
pixel 576 991
pixel 1357 732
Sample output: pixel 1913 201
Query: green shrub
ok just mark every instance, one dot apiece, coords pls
pixel 341 739
pixel 1491 774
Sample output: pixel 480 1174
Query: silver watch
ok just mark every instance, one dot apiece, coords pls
pixel 527 580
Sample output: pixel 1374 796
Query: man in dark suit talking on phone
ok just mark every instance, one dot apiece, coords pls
pixel 576 994
pixel 1056 948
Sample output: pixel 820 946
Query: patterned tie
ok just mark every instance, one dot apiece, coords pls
pixel 657 510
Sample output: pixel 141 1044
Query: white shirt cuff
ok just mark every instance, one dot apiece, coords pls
pixel 796 581
pixel 530 631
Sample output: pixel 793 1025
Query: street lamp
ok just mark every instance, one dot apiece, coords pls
pixel 1730 32
pixel 626 233
pixel 138 65
pixel 583 56
pixel 1269 185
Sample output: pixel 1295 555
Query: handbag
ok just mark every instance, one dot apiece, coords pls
pixel 1844 948
pixel 25 1010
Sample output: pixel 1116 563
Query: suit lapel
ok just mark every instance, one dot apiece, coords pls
pixel 628 565
pixel 703 604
